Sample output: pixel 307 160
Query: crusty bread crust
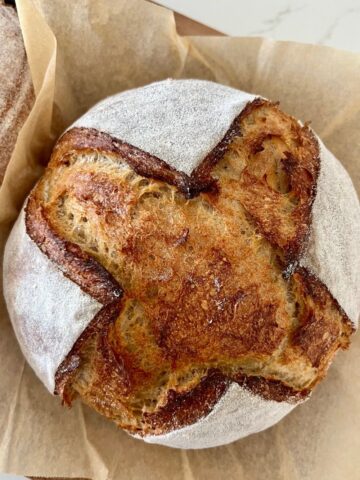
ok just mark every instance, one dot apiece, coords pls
pixel 206 265
pixel 77 265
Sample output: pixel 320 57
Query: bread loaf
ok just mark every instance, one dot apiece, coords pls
pixel 16 92
pixel 188 265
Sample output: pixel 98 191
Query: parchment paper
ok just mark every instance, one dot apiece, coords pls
pixel 80 52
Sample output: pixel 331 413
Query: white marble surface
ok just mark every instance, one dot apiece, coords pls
pixel 326 22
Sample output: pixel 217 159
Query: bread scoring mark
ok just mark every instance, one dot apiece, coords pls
pixel 314 336
pixel 271 389
pixel 183 409
pixel 75 264
pixel 302 174
pixel 143 163
pixel 260 329
pixel 67 369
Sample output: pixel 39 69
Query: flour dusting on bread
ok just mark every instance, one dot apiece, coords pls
pixel 333 251
pixel 238 413
pixel 178 121
pixel 51 311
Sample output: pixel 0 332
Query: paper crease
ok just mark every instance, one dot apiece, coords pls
pixel 188 473
pixel 8 429
pixel 100 470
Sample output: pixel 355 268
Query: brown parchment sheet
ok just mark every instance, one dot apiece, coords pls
pixel 80 52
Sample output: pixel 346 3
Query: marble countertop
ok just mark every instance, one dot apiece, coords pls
pixel 324 22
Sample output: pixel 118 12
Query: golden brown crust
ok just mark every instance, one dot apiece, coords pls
pixel 315 335
pixel 183 409
pixel 264 201
pixel 144 164
pixel 80 267
pixel 67 369
pixel 208 266
pixel 271 389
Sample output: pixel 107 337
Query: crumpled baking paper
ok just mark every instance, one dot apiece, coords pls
pixel 80 52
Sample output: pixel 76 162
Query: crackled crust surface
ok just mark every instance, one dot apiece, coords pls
pixel 198 274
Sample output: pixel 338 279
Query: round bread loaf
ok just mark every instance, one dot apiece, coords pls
pixel 16 92
pixel 188 265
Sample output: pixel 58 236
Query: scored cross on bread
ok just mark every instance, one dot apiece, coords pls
pixel 198 274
